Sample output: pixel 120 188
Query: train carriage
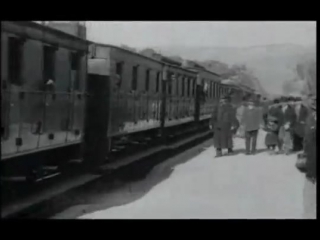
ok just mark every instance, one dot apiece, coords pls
pixel 128 94
pixel 180 95
pixel 210 81
pixel 60 92
pixel 135 89
pixel 43 79
pixel 208 89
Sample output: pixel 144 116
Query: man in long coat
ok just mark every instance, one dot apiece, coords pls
pixel 251 121
pixel 224 124
pixel 289 119
pixel 265 109
pixel 310 151
pixel 299 126
pixel 275 111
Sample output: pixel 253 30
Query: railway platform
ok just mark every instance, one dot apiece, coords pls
pixel 204 187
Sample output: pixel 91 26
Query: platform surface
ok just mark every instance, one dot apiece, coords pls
pixel 260 186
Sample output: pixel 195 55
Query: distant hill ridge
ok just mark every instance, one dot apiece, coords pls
pixel 272 64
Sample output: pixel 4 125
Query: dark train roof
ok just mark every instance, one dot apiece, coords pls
pixel 170 61
pixel 41 27
pixel 189 64
pixel 239 85
pixel 143 56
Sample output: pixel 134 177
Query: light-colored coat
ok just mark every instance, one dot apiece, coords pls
pixel 252 118
pixel 239 115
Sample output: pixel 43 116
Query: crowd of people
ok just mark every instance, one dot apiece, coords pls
pixel 290 126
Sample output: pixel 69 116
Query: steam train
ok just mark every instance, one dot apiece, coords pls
pixel 61 93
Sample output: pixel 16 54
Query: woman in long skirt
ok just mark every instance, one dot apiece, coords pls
pixel 272 136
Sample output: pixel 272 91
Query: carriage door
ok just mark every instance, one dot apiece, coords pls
pixel 96 139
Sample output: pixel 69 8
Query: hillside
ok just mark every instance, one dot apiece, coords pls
pixel 271 64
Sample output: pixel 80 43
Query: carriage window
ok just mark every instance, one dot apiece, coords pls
pixel 177 85
pixel 147 80
pixel 119 70
pixel 171 77
pixel 75 66
pixel 158 82
pixel 48 63
pixel 134 84
pixel 182 86
pixel 15 60
pixel 212 89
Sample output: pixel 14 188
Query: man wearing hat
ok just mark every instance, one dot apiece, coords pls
pixel 224 125
pixel 286 130
pixel 265 109
pixel 298 129
pixel 310 145
pixel 275 118
pixel 251 121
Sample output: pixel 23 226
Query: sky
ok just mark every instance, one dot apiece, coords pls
pixel 214 34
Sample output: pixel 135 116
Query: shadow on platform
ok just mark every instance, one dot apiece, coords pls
pixel 243 151
pixel 129 187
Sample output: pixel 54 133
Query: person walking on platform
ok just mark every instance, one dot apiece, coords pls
pixel 274 121
pixel 275 110
pixel 265 109
pixel 310 145
pixel 251 121
pixel 299 126
pixel 240 132
pixel 272 136
pixel 224 125
pixel 286 130
pixel 257 101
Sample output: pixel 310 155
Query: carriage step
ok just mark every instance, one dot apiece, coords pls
pixel 50 168
pixel 115 150
pixel 76 161
pixel 119 147
pixel 120 144
pixel 47 177
pixel 14 179
pixel 120 141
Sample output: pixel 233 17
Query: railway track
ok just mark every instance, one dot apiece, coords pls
pixel 42 199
